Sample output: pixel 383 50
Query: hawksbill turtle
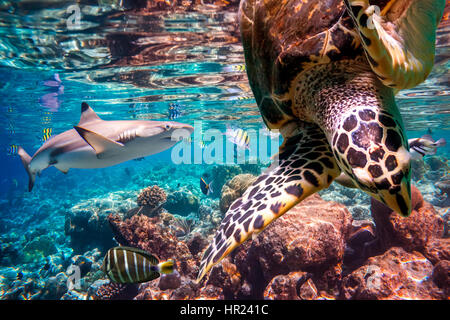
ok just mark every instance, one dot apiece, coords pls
pixel 325 73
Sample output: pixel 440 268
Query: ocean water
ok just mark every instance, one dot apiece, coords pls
pixel 129 60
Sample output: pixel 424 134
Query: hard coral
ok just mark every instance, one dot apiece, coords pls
pixel 411 233
pixel 151 235
pixel 116 291
pixel 395 275
pixel 234 189
pixel 151 200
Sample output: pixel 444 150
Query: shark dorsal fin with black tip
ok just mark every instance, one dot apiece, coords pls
pixel 103 146
pixel 87 114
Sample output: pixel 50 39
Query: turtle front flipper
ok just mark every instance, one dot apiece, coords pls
pixel 305 166
pixel 398 38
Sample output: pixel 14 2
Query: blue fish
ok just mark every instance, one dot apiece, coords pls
pixel 174 111
pixel 206 187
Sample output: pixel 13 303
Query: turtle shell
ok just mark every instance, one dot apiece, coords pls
pixel 282 38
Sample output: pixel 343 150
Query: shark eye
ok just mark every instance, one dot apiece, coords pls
pixel 167 126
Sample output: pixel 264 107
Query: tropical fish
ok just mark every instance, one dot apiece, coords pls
pixel 132 265
pixel 174 111
pixel 238 136
pixel 46 134
pixel 425 145
pixel 206 187
pixel 235 68
pixel 201 143
pixel 95 143
pixel 13 150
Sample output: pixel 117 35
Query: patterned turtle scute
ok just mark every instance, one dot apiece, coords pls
pixel 283 38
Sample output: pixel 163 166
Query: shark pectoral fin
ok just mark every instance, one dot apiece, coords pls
pixel 306 165
pixel 104 147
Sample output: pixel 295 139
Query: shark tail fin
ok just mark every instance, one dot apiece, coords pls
pixel 26 159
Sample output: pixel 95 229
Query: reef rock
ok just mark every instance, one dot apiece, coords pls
pixel 441 276
pixel 310 237
pixel 150 200
pixel 107 290
pixel 182 202
pixel 220 175
pixel 87 225
pixel 151 235
pixel 234 189
pixel 444 188
pixel 411 233
pixel 41 246
pixel 395 275
pixel 226 277
pixel 284 287
pixel 170 281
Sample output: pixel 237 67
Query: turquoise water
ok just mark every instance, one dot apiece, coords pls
pixel 130 63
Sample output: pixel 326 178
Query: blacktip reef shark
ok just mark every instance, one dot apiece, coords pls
pixel 96 143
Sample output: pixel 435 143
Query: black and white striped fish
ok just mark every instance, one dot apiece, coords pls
pixel 425 145
pixel 132 265
pixel 238 136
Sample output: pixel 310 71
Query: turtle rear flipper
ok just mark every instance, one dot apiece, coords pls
pixel 305 166
pixel 399 38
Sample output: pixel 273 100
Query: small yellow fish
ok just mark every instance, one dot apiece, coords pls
pixel 46 134
pixel 12 150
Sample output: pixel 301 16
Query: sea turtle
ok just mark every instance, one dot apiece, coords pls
pixel 325 72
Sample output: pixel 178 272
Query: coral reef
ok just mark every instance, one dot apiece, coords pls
pixel 150 200
pixel 149 234
pixel 351 248
pixel 220 174
pixel 87 225
pixel 396 274
pixel 182 202
pixel 115 291
pixel 444 192
pixel 309 238
pixel 234 189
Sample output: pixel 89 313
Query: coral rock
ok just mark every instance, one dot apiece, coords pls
pixel 411 233
pixel 234 189
pixel 284 287
pixel 170 281
pixel 311 236
pixel 437 250
pixel 116 291
pixel 396 274
pixel 151 200
pixel 87 225
pixel 227 277
pixel 441 276
pixel 149 234
pixel 197 243
pixel 221 174
pixel 182 202
pixel 210 292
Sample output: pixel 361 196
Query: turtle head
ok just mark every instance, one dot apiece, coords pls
pixel 372 150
